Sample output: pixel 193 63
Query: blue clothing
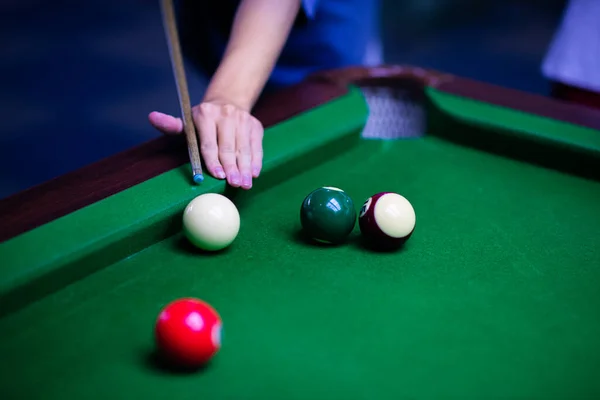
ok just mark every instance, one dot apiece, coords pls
pixel 327 34
pixel 573 57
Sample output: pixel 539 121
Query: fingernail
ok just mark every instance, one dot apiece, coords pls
pixel 235 179
pixel 255 171
pixel 246 181
pixel 219 173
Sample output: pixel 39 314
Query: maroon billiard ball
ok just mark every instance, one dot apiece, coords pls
pixel 188 332
pixel 387 220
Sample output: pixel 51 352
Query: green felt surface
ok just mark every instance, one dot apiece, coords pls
pixel 495 296
pixel 516 123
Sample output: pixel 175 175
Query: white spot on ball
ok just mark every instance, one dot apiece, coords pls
pixel 215 335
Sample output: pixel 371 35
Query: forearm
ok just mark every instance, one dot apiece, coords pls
pixel 259 32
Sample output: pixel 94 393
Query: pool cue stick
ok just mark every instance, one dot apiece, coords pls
pixel 170 26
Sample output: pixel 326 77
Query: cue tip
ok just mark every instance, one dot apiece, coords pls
pixel 198 178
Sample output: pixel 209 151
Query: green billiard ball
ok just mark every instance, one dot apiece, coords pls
pixel 328 215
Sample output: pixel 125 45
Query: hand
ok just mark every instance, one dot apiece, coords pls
pixel 230 140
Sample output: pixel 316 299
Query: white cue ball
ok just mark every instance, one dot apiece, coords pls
pixel 211 222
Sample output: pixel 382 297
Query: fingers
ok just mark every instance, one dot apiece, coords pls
pixel 205 118
pixel 165 123
pixel 256 148
pixel 230 143
pixel 244 153
pixel 226 133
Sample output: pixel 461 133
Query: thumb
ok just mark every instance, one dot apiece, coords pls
pixel 165 123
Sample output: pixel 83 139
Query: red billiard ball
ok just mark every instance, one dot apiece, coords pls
pixel 387 220
pixel 188 332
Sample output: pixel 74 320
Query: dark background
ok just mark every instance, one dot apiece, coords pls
pixel 78 78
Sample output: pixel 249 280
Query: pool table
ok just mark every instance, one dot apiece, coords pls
pixel 495 295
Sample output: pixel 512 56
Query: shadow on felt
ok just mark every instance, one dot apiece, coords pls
pixel 365 244
pixel 299 236
pixel 154 361
pixel 182 244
